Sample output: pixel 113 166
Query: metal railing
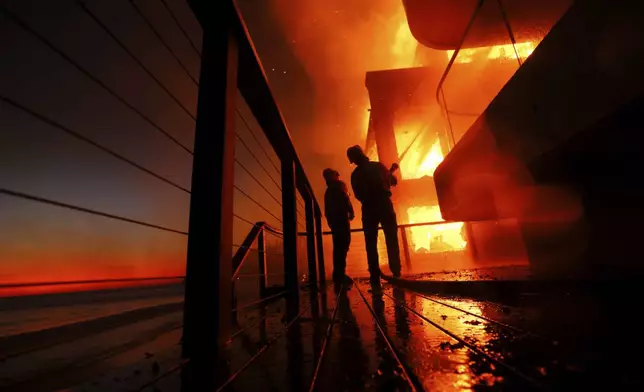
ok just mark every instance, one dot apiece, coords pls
pixel 265 291
pixel 229 62
pixel 423 251
pixel 200 71
pixel 470 81
pixel 414 257
pixel 467 115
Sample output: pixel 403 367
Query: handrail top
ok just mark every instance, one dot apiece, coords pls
pixel 252 83
pixel 269 228
pixel 253 234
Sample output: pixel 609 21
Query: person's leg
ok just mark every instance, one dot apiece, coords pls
pixel 390 229
pixel 370 226
pixel 343 243
pixel 338 251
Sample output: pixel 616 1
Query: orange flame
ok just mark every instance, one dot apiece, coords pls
pixel 416 165
pixel 402 50
pixel 498 52
pixel 437 237
pixel 405 45
pixel 434 238
pixel 419 162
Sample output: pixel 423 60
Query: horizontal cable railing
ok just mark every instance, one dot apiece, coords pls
pixel 432 247
pixel 19 21
pixel 107 179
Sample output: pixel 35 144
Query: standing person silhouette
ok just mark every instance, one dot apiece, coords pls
pixel 338 211
pixel 371 183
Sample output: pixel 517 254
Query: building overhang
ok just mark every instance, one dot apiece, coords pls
pixel 587 67
pixel 440 24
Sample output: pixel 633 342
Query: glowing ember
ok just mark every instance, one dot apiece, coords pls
pixel 498 52
pixel 435 238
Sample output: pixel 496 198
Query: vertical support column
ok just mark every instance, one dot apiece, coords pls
pixel 320 245
pixel 233 304
pixel 289 219
pixel 261 260
pixel 263 330
pixel 383 125
pixel 471 243
pixel 405 244
pixel 207 314
pixel 310 241
pixel 263 283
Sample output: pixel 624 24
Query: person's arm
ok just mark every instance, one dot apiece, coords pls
pixel 347 201
pixel 357 187
pixel 327 205
pixel 393 181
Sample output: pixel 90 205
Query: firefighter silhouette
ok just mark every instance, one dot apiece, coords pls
pixel 338 211
pixel 371 183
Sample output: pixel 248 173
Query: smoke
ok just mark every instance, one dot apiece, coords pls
pixel 338 41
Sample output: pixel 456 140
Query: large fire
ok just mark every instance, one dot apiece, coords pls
pixel 434 238
pixel 420 159
pixel 498 52
pixel 405 45
pixel 418 163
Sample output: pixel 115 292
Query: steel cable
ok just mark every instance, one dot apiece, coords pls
pixel 109 32
pixel 183 31
pixel 162 40
pixel 43 200
pixel 89 141
pixel 17 20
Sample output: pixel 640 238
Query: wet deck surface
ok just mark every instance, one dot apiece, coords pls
pixel 358 337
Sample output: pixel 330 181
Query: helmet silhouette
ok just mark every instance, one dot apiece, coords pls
pixel 355 154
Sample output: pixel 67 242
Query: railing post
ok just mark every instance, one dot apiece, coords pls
pixel 289 222
pixel 310 240
pixel 405 244
pixel 261 259
pixel 320 245
pixel 207 314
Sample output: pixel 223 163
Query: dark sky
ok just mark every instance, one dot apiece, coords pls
pixel 315 55
pixel 40 242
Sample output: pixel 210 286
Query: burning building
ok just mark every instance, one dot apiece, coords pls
pixel 432 68
pixel 412 125
pixel 405 127
pixel 558 147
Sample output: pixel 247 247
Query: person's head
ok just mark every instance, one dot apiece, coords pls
pixel 356 155
pixel 330 175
